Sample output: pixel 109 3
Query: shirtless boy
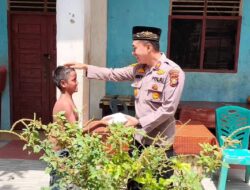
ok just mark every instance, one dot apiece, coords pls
pixel 65 79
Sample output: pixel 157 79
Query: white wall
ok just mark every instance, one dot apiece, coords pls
pixel 82 37
pixel 73 44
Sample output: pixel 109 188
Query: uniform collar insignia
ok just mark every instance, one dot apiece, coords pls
pixel 141 70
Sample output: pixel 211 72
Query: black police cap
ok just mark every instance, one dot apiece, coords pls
pixel 146 33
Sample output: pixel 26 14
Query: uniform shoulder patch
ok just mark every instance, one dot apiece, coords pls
pixel 174 77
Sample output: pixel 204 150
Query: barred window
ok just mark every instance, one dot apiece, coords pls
pixel 204 34
pixel 32 5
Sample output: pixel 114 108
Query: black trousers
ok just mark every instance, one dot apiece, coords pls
pixel 53 176
pixel 133 185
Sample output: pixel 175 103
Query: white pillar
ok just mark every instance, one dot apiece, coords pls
pixel 73 44
pixel 98 49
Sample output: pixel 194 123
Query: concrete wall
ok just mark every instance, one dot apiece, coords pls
pixel 100 30
pixel 80 26
pixel 224 87
pixel 5 108
pixel 98 47
pixel 73 30
pixel 123 15
pixel 82 36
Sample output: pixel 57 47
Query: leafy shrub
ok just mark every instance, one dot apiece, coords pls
pixel 95 163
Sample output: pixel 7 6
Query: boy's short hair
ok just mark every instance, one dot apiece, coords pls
pixel 61 73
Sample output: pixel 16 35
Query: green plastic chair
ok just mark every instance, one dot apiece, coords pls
pixel 228 120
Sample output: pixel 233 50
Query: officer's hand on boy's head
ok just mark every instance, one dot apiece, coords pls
pixel 76 65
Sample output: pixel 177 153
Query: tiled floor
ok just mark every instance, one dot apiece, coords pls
pixel 14 150
pixel 22 175
pixel 235 180
pixel 12 147
pixel 29 174
pixel 8 136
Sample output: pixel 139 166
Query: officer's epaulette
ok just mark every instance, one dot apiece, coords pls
pixel 133 64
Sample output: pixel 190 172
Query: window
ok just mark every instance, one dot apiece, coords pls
pixel 32 5
pixel 204 34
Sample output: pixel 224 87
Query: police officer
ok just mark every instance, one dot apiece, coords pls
pixel 157 81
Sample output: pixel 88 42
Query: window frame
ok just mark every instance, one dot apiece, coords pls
pixel 204 18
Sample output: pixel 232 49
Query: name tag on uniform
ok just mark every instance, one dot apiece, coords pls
pixel 159 79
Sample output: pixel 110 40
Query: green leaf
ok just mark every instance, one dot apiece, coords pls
pixel 91 166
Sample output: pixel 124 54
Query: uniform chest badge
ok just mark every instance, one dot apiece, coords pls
pixel 155 87
pixel 160 72
pixel 155 95
pixel 174 77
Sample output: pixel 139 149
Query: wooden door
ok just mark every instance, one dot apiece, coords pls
pixel 33 55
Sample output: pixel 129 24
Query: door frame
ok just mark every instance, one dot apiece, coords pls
pixel 10 41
